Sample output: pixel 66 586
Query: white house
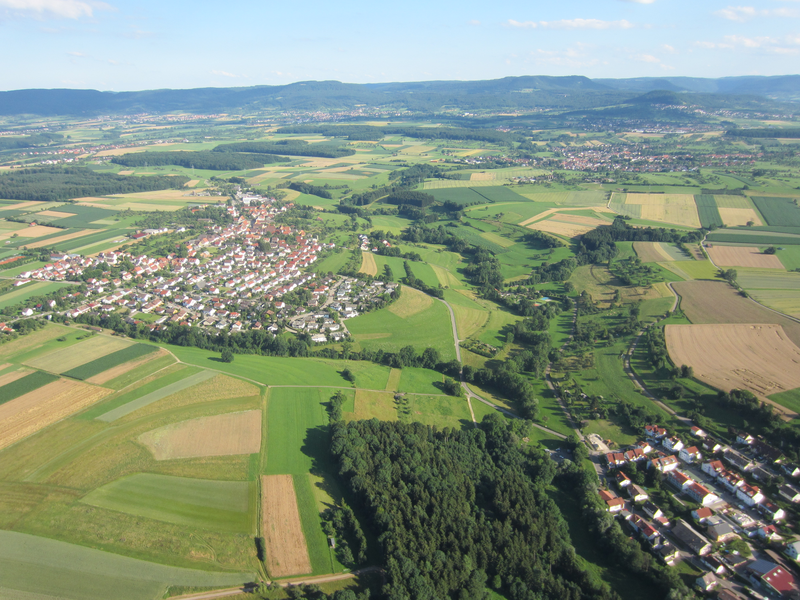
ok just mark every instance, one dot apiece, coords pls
pixel 673 444
pixel 690 454
pixel 750 494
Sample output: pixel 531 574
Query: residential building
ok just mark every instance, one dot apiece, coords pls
pixel 691 538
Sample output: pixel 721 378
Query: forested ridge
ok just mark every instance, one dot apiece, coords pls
pixel 457 511
pixel 215 161
pixel 58 184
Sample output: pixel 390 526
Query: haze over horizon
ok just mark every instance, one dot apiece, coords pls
pixel 127 45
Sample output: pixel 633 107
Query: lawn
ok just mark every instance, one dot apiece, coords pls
pixel 440 411
pixel 206 504
pixel 38 568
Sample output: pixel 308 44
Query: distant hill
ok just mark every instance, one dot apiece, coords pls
pixel 564 93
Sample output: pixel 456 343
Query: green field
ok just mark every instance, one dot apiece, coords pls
pixel 790 399
pixel 707 210
pixel 420 381
pixel 439 411
pixel 29 290
pixel 97 366
pixel 781 212
pixel 23 385
pixel 767 279
pixel 382 329
pixel 127 403
pixel 217 505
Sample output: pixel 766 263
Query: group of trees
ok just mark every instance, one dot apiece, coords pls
pixel 307 188
pixel 418 199
pixel 411 280
pixel 56 184
pixel 457 511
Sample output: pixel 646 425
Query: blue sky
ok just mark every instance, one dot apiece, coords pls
pixel 146 44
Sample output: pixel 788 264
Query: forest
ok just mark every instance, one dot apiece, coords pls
pixel 291 149
pixel 58 184
pixel 456 512
pixel 214 161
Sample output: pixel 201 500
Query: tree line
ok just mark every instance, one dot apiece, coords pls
pixel 56 184
pixel 290 149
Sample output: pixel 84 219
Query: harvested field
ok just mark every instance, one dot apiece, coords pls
pixel 757 357
pixel 20 205
pixel 717 302
pixel 671 213
pixel 36 410
pixel 286 550
pixel 33 380
pixel 559 226
pixel 114 372
pixel 660 199
pixel 64 238
pixel 219 435
pixel 410 302
pixel 481 176
pixel 743 256
pixel 54 213
pixel 84 352
pixel 37 231
pixel 739 216
pixel 772 280
pixel 368 265
pixel 192 182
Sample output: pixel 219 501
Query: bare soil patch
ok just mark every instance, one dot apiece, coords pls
pixel 218 435
pixel 756 357
pixel 368 264
pixel 717 302
pixel 35 410
pixel 286 550
pixel 743 256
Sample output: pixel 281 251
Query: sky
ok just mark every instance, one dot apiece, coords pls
pixel 126 45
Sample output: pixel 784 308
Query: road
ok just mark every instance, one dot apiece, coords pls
pixel 470 394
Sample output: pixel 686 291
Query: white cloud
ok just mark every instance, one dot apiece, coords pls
pixel 224 74
pixel 742 14
pixel 522 24
pixel 640 1
pixel 586 24
pixel 786 45
pixel 78 54
pixel 64 9
pixel 668 48
pixel 648 58
pixel 474 22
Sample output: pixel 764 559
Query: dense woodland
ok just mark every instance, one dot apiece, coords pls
pixel 59 184
pixel 374 133
pixel 214 161
pixel 457 511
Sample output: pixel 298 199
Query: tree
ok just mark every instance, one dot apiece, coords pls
pixel 348 374
pixel 227 355
pixel 770 250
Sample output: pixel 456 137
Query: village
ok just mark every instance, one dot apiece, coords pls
pixel 715 489
pixel 231 279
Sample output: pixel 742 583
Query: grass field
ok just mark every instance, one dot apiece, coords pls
pixel 420 381
pixel 406 322
pixel 38 568
pixel 29 290
pixel 368 405
pixel 439 411
pixel 206 504
pixel 137 399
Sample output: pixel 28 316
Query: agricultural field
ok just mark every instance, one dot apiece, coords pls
pixel 715 302
pixel 742 256
pixel 286 549
pixel 759 358
pixel 658 252
pixel 779 212
pixel 217 435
